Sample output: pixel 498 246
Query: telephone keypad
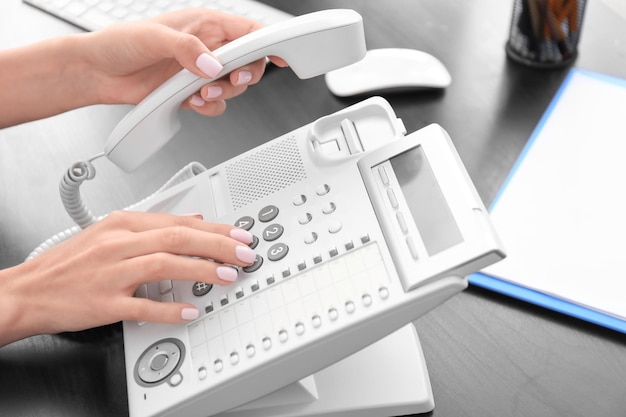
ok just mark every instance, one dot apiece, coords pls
pixel 266 227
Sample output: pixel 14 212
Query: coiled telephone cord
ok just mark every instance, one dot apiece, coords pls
pixel 69 189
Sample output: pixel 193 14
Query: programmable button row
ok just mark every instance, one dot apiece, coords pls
pixel 256 284
pixel 302 304
pixel 393 201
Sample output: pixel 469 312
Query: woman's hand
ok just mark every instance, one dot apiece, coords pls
pixel 122 64
pixel 130 60
pixel 89 280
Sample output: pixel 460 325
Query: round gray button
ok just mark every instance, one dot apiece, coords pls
pixel 258 261
pixel 277 252
pixel 273 232
pixel 245 222
pixel 268 213
pixel 159 362
pixel 201 288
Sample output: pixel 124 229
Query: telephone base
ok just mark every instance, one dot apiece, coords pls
pixel 387 378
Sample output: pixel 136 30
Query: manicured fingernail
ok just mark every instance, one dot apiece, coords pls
pixel 241 235
pixel 226 273
pixel 197 101
pixel 245 254
pixel 196 215
pixel 244 77
pixel 189 313
pixel 214 91
pixel 208 65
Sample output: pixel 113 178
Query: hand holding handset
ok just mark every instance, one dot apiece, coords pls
pixel 312 44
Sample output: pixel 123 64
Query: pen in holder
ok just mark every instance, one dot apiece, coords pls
pixel 545 33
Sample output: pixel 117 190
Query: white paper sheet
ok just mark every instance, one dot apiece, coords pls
pixel 562 212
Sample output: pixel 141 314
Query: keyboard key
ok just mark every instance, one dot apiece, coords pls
pixel 97 14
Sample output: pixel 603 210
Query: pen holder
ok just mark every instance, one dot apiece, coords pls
pixel 545 33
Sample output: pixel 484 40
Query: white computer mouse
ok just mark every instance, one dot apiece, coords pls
pixel 389 70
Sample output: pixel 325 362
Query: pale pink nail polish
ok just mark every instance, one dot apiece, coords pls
pixel 226 273
pixel 241 235
pixel 245 254
pixel 214 91
pixel 197 101
pixel 189 313
pixel 196 215
pixel 244 77
pixel 208 65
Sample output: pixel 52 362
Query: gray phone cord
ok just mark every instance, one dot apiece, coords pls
pixel 69 189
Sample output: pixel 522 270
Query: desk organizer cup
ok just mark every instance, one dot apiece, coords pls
pixel 545 33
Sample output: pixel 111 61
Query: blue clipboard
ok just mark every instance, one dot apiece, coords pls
pixel 552 299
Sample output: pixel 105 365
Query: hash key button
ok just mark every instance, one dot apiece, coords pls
pixel 201 288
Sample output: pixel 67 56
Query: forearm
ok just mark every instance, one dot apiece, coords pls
pixel 17 320
pixel 42 80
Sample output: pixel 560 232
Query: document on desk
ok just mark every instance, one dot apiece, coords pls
pixel 561 213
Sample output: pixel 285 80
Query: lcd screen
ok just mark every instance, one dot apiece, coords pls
pixel 435 223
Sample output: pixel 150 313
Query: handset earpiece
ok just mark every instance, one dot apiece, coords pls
pixel 311 44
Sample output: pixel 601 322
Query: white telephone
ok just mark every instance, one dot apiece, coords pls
pixel 361 229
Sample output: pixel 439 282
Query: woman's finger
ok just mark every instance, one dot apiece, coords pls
pixel 144 310
pixel 163 266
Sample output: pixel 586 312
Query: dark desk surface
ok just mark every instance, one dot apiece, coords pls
pixel 487 355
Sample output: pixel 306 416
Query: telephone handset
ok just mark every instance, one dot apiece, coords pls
pixel 311 44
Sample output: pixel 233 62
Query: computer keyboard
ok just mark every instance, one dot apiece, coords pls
pixel 95 14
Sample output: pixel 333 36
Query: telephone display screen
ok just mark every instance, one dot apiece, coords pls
pixel 433 218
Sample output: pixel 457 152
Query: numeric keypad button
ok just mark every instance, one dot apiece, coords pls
pixel 277 252
pixel 268 213
pixel 245 223
pixel 273 232
pixel 255 265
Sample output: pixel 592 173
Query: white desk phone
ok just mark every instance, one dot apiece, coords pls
pixel 361 229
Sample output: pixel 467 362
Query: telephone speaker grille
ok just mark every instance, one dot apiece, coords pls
pixel 265 172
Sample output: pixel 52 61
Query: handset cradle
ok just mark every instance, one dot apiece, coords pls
pixel 311 44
